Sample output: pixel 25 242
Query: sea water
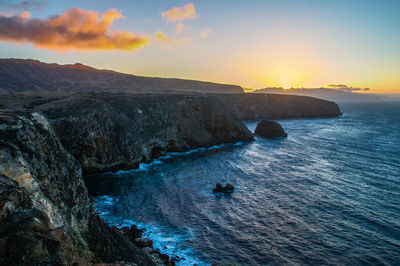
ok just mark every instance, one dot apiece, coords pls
pixel 329 193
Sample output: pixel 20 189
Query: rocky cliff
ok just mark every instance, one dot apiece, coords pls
pixel 46 215
pixel 111 131
pixel 119 131
pixel 48 141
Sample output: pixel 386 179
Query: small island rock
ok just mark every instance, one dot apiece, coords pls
pixel 219 188
pixel 269 129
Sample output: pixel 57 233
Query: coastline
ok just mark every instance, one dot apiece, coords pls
pixel 48 145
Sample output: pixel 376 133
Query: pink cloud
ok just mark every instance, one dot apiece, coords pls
pixel 180 27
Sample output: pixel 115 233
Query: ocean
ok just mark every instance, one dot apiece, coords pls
pixel 329 193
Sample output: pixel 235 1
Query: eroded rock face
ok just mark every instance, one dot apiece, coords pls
pixel 270 129
pixel 113 132
pixel 46 215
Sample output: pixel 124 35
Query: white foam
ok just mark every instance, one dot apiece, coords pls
pixel 163 237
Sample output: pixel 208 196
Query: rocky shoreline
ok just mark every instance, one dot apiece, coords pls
pixel 49 142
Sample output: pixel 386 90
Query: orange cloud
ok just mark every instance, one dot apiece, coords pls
pixel 75 29
pixel 180 13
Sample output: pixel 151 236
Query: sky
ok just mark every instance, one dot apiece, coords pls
pixel 254 44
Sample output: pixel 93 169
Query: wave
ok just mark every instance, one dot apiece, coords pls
pixel 171 155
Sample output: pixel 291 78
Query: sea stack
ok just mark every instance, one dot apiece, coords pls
pixel 270 129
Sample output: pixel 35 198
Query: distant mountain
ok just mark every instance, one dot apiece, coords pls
pixel 20 75
pixel 324 93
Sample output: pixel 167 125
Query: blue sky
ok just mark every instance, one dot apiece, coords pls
pixel 250 43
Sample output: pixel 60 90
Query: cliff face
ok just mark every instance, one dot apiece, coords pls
pixel 113 132
pixel 46 215
pixel 45 212
pixel 17 75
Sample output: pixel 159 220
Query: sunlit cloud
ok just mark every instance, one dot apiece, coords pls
pixel 205 33
pixel 169 41
pixel 179 28
pixel 24 5
pixel 75 29
pixel 176 14
pixel 161 36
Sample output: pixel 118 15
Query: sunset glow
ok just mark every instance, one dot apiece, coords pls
pixel 254 45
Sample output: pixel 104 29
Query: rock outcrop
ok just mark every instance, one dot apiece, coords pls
pixel 270 129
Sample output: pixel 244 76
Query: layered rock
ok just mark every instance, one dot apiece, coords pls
pixel 46 214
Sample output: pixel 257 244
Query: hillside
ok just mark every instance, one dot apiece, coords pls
pixel 19 75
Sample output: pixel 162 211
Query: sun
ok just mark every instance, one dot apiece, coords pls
pixel 285 80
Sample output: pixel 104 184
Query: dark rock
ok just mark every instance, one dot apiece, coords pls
pixel 269 129
pixel 143 242
pixel 219 188
pixel 133 232
pixel 110 246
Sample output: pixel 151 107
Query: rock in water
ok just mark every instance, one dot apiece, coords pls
pixel 219 188
pixel 269 129
pixel 143 242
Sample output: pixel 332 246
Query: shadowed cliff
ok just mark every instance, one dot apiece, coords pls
pixel 114 131
pixel 46 216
